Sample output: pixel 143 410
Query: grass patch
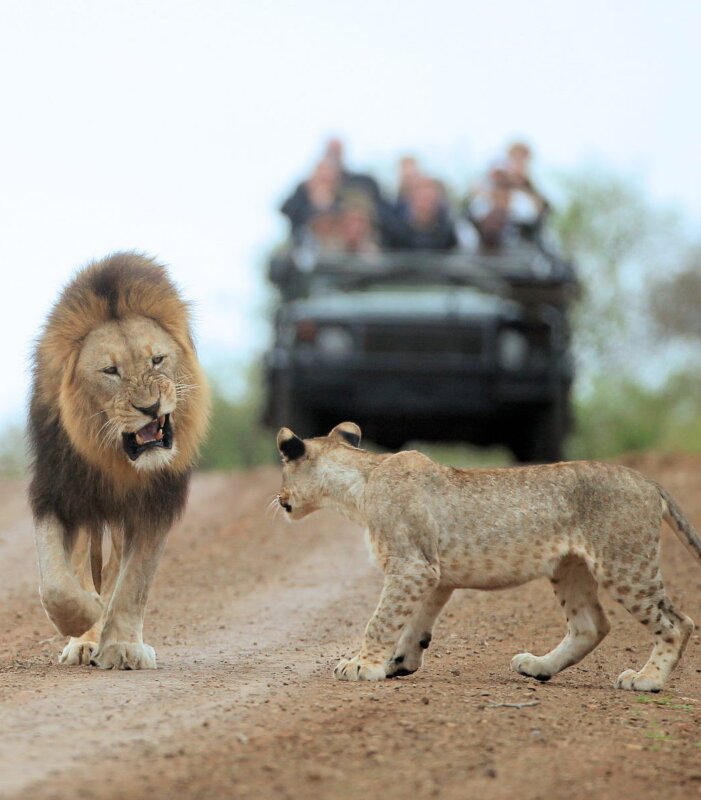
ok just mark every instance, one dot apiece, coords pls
pixel 667 702
pixel 657 737
pixel 463 456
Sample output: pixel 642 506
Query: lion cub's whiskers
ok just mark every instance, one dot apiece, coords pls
pixel 273 507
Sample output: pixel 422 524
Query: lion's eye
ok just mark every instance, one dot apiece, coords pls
pixel 156 360
pixel 111 371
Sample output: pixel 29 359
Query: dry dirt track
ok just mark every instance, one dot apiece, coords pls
pixel 248 617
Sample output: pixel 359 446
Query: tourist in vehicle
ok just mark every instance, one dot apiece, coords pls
pixel 409 174
pixel 528 206
pixel 317 195
pixel 487 207
pixel 321 192
pixel 505 207
pixel 353 229
pixel 348 227
pixel 357 230
pixel 333 151
pixel 425 223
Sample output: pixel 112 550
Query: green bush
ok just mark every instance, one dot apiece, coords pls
pixel 621 416
pixel 237 438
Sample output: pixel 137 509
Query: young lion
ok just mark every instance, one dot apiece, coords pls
pixel 433 529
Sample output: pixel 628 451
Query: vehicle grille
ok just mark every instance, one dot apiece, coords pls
pixel 433 340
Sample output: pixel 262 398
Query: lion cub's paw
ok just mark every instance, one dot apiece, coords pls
pixel 352 669
pixel 77 653
pixel 402 665
pixel 125 655
pixel 531 666
pixel 638 682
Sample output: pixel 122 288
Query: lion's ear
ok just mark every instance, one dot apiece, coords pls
pixel 291 447
pixel 347 432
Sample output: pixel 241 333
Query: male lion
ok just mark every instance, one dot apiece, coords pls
pixel 434 529
pixel 119 407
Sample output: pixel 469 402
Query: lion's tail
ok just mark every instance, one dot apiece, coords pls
pixel 676 520
pixel 96 557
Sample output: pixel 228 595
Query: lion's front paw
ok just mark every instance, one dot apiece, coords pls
pixel 353 669
pixel 124 655
pixel 638 682
pixel 77 653
pixel 71 609
pixel 532 666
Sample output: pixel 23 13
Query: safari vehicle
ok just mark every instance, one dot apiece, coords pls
pixel 428 346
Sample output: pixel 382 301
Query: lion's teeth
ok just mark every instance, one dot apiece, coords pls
pixel 159 435
pixel 139 439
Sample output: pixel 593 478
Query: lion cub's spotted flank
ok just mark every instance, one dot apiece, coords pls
pixel 433 529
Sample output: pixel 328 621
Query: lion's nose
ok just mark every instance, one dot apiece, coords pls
pixel 151 411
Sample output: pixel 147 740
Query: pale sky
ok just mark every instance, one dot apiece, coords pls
pixel 176 127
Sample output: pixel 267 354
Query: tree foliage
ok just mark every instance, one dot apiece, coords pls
pixel 676 303
pixel 635 390
pixel 618 240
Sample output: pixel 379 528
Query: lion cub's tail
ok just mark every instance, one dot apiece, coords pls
pixel 676 520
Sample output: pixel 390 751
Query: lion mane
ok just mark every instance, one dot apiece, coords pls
pixel 75 476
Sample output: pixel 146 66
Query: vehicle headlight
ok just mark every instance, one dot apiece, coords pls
pixel 306 331
pixel 512 350
pixel 334 341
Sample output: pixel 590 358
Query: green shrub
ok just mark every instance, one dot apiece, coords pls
pixel 621 416
pixel 237 438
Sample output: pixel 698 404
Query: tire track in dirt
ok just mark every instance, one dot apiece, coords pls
pixel 172 699
pixel 55 718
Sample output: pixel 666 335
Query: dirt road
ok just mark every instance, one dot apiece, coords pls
pixel 249 615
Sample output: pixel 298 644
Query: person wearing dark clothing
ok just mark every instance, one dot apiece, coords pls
pixel 318 195
pixel 353 181
pixel 423 223
pixel 438 236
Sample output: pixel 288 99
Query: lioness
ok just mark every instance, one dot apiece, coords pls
pixel 433 529
pixel 119 408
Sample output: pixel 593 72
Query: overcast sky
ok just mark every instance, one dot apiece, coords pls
pixel 176 128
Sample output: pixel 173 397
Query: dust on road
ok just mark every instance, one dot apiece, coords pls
pixel 249 615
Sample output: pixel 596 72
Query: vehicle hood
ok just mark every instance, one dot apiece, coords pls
pixel 453 302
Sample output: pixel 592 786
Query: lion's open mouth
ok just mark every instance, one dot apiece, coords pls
pixel 158 433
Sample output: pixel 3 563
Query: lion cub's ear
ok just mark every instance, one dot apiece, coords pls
pixel 347 432
pixel 291 447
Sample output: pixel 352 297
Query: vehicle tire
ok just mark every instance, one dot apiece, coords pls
pixel 303 422
pixel 541 437
pixel 288 412
pixel 391 443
